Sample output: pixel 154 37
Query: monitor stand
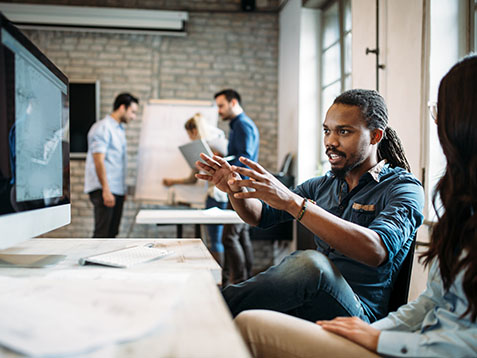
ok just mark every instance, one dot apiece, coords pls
pixel 28 260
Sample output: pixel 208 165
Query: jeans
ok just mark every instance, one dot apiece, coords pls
pixel 106 220
pixel 215 231
pixel 306 284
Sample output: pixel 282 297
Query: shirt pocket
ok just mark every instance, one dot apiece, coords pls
pixel 363 214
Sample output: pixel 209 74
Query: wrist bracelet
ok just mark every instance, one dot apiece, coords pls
pixel 302 210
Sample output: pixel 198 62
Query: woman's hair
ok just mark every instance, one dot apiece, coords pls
pixel 375 113
pixel 197 121
pixel 454 236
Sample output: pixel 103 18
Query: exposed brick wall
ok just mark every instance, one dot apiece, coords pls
pixel 222 49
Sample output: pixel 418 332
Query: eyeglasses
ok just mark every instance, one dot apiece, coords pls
pixel 432 109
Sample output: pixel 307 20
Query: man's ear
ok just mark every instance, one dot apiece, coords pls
pixel 376 135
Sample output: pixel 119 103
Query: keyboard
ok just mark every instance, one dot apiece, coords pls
pixel 127 257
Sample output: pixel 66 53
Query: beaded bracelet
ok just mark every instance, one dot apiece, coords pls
pixel 302 210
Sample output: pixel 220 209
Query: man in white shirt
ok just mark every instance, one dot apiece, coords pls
pixel 106 165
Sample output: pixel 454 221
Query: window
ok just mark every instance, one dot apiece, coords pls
pixel 336 57
pixel 449 41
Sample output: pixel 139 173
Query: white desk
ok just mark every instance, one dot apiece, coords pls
pixel 188 216
pixel 199 325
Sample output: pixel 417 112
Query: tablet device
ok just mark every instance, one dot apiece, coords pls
pixel 191 151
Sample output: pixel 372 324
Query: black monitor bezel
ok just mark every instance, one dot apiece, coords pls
pixel 38 54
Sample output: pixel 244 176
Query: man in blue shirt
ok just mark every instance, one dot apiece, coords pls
pixel 106 165
pixel 364 214
pixel 243 142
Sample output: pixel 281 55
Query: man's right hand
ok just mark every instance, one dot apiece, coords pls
pixel 108 199
pixel 218 171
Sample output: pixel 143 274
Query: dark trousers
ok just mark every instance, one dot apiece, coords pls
pixel 306 284
pixel 106 220
pixel 238 254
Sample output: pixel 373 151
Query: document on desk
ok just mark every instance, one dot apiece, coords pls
pixel 42 316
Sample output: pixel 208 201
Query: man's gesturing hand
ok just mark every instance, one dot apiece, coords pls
pixel 267 187
pixel 218 171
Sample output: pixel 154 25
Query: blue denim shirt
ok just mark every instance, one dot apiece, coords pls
pixel 388 201
pixel 109 137
pixel 432 325
pixel 244 139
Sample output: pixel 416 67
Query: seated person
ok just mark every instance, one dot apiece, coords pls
pixel 197 128
pixel 364 213
pixel 442 321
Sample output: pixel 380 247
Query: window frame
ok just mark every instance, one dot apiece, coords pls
pixel 343 5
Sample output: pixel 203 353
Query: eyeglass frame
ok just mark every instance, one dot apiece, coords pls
pixel 432 106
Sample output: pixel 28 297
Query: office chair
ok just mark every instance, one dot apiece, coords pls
pixel 284 174
pixel 400 291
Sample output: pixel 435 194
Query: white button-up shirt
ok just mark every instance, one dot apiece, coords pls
pixel 109 137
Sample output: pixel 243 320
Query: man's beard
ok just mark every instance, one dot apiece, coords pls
pixel 342 172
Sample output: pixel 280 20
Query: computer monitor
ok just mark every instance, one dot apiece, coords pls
pixel 34 140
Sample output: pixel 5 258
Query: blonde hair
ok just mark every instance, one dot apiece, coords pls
pixel 197 121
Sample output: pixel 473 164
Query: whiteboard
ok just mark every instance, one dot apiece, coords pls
pixel 159 157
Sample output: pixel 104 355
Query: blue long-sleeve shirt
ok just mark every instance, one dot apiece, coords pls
pixel 388 201
pixel 430 326
pixel 244 139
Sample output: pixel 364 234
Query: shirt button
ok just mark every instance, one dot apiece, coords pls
pixel 341 207
pixel 404 350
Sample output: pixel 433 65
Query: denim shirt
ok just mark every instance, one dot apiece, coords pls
pixel 386 200
pixel 244 139
pixel 109 137
pixel 432 325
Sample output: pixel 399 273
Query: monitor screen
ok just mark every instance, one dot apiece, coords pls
pixel 34 140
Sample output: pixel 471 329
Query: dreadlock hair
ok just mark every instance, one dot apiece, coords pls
pixel 454 237
pixel 375 113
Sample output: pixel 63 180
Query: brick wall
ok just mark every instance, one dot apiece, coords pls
pixel 222 49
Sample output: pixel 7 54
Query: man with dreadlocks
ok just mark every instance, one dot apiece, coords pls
pixel 364 214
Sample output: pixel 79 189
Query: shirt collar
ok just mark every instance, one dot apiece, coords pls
pixel 376 170
pixel 233 120
pixel 114 122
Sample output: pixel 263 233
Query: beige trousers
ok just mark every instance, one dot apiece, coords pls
pixel 272 334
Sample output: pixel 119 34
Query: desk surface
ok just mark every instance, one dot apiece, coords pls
pixel 188 216
pixel 199 324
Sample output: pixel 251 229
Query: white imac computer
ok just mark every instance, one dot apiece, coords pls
pixel 34 140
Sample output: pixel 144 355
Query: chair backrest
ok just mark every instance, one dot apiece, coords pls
pixel 284 174
pixel 400 291
pixel 286 165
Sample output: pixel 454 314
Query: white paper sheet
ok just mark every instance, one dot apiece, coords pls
pixel 54 316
